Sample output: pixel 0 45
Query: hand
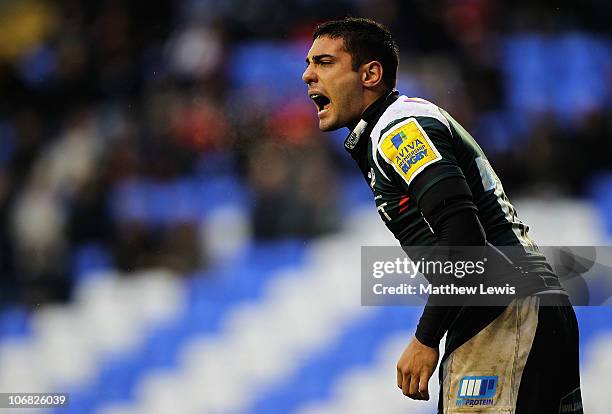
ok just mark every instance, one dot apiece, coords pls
pixel 415 367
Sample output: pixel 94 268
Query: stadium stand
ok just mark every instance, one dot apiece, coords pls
pixel 291 332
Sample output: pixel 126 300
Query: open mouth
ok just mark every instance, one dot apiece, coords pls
pixel 321 101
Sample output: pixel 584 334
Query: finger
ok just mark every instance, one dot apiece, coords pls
pixel 400 378
pixel 424 386
pixel 406 384
pixel 413 389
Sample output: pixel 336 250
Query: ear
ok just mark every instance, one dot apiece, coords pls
pixel 371 74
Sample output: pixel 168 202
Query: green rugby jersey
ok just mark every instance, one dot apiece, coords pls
pixel 397 139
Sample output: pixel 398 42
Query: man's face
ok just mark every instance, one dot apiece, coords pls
pixel 333 85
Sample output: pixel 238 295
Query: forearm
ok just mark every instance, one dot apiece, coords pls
pixel 455 223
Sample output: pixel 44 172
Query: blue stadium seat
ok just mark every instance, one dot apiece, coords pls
pixel 215 164
pixel 540 77
pixel 161 347
pixel 356 347
pixel 600 191
pixel 128 202
pixel 355 192
pixel 14 322
pixel 88 258
pixel 38 66
pixel 79 402
pixel 118 376
pixel 592 321
pixel 219 191
pixel 497 131
pixel 250 65
pixel 209 295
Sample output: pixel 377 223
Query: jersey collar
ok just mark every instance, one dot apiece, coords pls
pixel 368 119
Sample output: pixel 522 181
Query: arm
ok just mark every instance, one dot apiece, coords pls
pixel 420 155
pixel 448 207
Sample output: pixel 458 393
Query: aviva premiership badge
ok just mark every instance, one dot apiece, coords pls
pixel 408 149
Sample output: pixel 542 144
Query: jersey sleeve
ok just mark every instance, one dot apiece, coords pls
pixel 413 145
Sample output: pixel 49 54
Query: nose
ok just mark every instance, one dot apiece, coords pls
pixel 308 76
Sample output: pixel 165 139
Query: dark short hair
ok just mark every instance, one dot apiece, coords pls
pixel 365 40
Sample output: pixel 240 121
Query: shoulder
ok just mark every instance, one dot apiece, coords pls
pixel 404 108
pixel 410 135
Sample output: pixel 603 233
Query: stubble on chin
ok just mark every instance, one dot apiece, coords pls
pixel 328 127
pixel 324 127
pixel 333 125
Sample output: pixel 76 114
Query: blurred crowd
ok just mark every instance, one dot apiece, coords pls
pixel 124 125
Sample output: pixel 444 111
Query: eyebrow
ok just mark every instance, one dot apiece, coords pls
pixel 318 58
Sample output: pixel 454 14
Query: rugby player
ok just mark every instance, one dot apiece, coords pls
pixel 433 185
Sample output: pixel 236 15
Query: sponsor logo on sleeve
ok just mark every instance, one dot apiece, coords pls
pixel 477 391
pixel 408 149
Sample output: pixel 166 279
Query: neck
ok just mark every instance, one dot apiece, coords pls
pixel 371 100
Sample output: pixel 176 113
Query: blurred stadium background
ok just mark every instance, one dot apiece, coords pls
pixel 176 235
